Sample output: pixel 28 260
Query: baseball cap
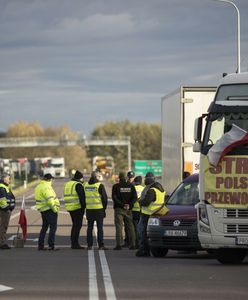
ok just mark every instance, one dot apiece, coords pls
pixel 130 174
pixel 48 176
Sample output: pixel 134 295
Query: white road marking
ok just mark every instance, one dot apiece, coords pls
pixel 109 288
pixel 93 288
pixel 5 288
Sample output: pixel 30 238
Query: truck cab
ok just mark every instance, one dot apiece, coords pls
pixel 223 208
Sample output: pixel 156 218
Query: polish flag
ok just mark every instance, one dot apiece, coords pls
pixel 23 221
pixel 231 139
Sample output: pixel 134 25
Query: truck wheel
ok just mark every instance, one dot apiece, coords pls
pixel 159 252
pixel 231 256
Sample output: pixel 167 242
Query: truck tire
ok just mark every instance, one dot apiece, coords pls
pixel 159 252
pixel 231 256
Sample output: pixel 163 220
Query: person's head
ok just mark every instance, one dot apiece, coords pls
pixel 6 178
pixel 78 176
pixel 48 177
pixel 185 174
pixel 130 176
pixel 95 176
pixel 122 176
pixel 149 178
pixel 137 180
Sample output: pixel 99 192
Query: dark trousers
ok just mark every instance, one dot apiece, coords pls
pixel 123 216
pixel 136 218
pixel 77 222
pixel 92 216
pixel 142 233
pixel 49 219
pixel 4 223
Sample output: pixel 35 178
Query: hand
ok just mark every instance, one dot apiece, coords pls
pixel 126 206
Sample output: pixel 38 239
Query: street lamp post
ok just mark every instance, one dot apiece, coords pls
pixel 238 31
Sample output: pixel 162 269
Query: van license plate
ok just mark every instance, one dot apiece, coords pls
pixel 241 240
pixel 175 233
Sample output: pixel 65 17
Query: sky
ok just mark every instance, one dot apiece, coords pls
pixel 82 63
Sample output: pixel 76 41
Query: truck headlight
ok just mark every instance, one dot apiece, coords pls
pixel 153 222
pixel 203 215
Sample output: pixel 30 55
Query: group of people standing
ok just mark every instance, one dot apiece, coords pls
pixel 133 204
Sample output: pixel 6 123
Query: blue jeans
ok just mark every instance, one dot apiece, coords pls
pixel 142 233
pixel 49 219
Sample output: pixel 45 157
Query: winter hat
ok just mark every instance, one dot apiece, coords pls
pixel 138 180
pixel 78 175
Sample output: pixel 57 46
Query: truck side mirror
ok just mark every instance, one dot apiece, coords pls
pixel 197 134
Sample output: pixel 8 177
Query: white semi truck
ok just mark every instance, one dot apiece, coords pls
pixel 56 166
pixel 179 110
pixel 223 147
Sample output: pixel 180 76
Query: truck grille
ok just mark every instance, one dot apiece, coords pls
pixel 236 228
pixel 236 213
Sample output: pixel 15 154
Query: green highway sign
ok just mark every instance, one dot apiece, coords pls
pixel 141 167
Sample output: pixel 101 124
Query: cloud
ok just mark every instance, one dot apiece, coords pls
pixel 91 61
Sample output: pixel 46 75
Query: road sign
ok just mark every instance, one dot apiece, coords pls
pixel 141 167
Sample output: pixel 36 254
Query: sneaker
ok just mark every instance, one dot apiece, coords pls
pixel 132 248
pixel 5 247
pixel 102 248
pixel 42 248
pixel 118 248
pixel 53 249
pixel 77 247
pixel 141 253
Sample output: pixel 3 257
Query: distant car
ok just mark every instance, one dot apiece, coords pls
pixel 177 230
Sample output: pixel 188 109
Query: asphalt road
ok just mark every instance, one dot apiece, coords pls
pixel 81 274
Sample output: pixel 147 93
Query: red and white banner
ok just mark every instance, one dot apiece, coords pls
pixel 231 139
pixel 23 220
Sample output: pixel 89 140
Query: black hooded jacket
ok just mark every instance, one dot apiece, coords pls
pixel 124 193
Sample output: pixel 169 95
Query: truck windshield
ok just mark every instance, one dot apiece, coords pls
pixel 220 123
pixel 232 92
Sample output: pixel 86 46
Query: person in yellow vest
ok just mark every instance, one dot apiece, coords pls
pixel 7 204
pixel 96 203
pixel 152 199
pixel 74 199
pixel 136 207
pixel 48 205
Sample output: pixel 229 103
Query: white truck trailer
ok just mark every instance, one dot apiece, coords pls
pixel 179 110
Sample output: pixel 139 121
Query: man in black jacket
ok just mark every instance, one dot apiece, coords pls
pixel 7 204
pixel 124 195
pixel 151 198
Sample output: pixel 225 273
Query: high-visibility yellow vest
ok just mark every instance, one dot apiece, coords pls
pixel 139 188
pixel 71 198
pixel 92 196
pixel 155 205
pixel 7 201
pixel 45 197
